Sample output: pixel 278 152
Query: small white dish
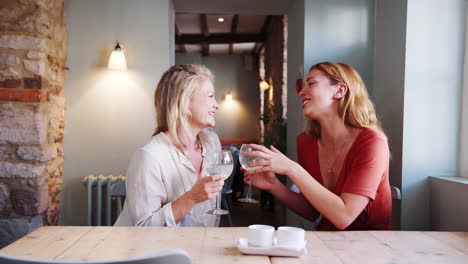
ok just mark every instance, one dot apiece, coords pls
pixel 289 236
pixel 261 235
pixel 274 250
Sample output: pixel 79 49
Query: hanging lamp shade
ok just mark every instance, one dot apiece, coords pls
pixel 117 59
pixel 264 85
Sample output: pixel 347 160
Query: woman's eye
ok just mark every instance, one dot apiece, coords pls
pixel 311 83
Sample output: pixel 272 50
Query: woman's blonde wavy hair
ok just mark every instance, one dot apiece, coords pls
pixel 355 108
pixel 172 100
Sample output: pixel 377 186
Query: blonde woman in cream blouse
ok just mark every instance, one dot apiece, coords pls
pixel 166 185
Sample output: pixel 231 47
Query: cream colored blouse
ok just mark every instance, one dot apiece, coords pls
pixel 159 174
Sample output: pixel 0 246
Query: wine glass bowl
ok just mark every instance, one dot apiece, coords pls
pixel 218 162
pixel 245 162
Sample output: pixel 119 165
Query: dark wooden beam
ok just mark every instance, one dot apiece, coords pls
pixel 264 32
pixel 177 33
pixel 266 24
pixel 205 50
pixel 258 46
pixel 204 25
pixel 235 21
pixel 222 38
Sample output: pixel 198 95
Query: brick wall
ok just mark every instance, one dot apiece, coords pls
pixel 33 48
pixel 275 55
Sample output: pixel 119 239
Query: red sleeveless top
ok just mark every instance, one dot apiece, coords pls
pixel 364 172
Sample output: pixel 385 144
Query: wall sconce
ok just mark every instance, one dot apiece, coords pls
pixel 264 85
pixel 228 96
pixel 117 59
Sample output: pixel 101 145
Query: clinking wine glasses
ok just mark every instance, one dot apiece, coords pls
pixel 218 162
pixel 245 161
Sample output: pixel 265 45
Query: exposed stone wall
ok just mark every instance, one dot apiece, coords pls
pixel 33 48
pixel 275 71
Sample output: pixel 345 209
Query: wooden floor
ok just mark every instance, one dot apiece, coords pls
pixel 245 214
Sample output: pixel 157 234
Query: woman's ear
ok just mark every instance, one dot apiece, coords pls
pixel 341 90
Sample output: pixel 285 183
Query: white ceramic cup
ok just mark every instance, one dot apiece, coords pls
pixel 261 235
pixel 292 237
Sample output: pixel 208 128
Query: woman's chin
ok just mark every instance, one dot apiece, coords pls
pixel 210 124
pixel 307 113
pixel 310 115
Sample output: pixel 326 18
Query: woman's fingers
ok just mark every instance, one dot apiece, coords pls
pixel 259 163
pixel 264 169
pixel 260 148
pixel 248 180
pixel 214 189
pixel 260 154
pixel 217 177
pixel 274 149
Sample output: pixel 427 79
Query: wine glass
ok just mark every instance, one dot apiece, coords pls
pixel 218 162
pixel 245 161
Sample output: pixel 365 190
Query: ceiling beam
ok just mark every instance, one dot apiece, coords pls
pixel 264 32
pixel 266 24
pixel 182 46
pixel 221 38
pixel 256 49
pixel 205 48
pixel 235 21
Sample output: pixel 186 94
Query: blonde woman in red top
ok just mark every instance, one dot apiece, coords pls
pixel 343 156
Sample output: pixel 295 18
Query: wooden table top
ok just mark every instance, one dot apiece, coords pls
pixel 219 245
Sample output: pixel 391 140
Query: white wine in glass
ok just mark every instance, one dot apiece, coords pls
pixel 245 161
pixel 218 162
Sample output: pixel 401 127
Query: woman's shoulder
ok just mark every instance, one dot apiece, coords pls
pixel 370 138
pixel 370 134
pixel 157 145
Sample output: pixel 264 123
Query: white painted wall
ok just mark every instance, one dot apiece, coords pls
pixel 389 78
pixel 433 82
pixel 449 197
pixel 109 114
pixel 340 30
pixel 418 62
pixel 318 31
pixel 295 117
pixel 238 118
pixel 464 114
pixel 257 7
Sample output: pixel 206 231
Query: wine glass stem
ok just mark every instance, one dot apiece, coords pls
pixel 216 204
pixel 249 192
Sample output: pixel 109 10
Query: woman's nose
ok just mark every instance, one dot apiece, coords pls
pixel 301 92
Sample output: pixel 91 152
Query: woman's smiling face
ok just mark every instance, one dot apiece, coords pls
pixel 318 94
pixel 203 105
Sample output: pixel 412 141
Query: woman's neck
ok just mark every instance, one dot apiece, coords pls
pixel 187 138
pixel 334 132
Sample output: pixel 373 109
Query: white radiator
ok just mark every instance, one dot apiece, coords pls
pixel 98 193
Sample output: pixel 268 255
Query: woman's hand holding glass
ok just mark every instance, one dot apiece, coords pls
pixel 272 160
pixel 206 187
pixel 261 180
pixel 246 162
pixel 218 163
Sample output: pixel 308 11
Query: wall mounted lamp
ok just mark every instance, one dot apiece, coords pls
pixel 264 85
pixel 228 96
pixel 117 59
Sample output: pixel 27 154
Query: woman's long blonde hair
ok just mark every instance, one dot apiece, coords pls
pixel 355 108
pixel 172 100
